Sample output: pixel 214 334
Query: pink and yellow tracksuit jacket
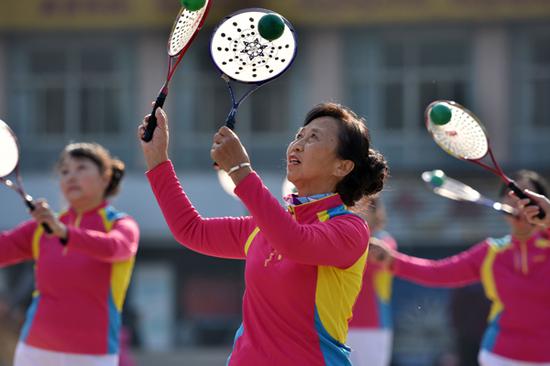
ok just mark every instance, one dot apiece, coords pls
pixel 372 309
pixel 80 287
pixel 303 269
pixel 516 277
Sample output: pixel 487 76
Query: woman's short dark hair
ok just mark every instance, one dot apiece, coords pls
pixel 540 185
pixel 371 169
pixel 101 157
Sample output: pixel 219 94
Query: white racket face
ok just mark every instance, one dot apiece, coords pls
pixel 186 26
pixel 463 136
pixel 239 51
pixel 9 151
pixel 449 187
pixel 288 188
pixel 227 183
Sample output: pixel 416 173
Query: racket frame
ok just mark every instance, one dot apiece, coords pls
pixel 235 103
pixel 495 169
pixel 173 62
pixel 17 186
pixel 458 196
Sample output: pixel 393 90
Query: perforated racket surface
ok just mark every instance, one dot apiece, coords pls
pixel 9 163
pixel 465 138
pixel 455 190
pixel 185 29
pixel 242 55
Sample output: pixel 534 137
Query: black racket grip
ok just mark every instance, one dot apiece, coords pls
pixel 229 123
pixel 31 206
pixel 513 186
pixel 152 123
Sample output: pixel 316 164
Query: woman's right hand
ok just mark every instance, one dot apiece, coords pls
pixel 156 150
pixel 530 211
pixel 380 253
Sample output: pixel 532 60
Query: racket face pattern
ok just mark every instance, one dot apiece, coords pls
pixel 455 190
pixel 185 29
pixel 463 137
pixel 243 55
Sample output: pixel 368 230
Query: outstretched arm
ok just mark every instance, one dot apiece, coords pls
pixel 456 271
pixel 16 244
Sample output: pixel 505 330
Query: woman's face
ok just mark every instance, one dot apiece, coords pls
pixel 82 183
pixel 313 165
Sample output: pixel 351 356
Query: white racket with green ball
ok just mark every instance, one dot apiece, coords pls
pixel 461 134
pixel 9 163
pixel 252 47
pixel 455 190
pixel 189 21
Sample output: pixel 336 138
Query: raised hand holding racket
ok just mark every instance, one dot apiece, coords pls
pixel 461 134
pixel 253 47
pixel 9 163
pixel 185 28
pixel 453 189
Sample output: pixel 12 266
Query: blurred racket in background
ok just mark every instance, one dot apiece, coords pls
pixel 9 163
pixel 460 133
pixel 242 54
pixel 453 189
pixel 185 28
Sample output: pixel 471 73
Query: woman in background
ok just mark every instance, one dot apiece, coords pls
pixel 514 271
pixel 370 330
pixel 82 269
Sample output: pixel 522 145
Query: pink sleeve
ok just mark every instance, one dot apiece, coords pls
pixel 16 244
pixel 339 242
pixel 219 237
pixel 456 271
pixel 119 244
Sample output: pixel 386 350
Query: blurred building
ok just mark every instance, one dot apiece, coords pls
pixel 74 70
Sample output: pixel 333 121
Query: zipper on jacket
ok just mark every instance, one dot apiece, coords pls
pixel 524 257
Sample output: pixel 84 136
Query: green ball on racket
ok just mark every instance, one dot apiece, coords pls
pixel 193 5
pixel 271 27
pixel 438 178
pixel 440 114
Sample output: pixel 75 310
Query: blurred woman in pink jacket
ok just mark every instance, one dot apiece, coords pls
pixel 82 269
pixel 514 271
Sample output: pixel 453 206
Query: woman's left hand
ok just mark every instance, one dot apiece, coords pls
pixel 44 215
pixel 228 152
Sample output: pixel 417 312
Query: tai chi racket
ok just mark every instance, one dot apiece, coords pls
pixel 460 133
pixel 185 28
pixel 453 189
pixel 9 163
pixel 244 56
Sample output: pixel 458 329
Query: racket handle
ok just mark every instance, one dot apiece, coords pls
pixel 152 123
pixel 230 120
pixel 31 206
pixel 513 186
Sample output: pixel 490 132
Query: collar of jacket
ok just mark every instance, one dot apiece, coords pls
pixel 320 209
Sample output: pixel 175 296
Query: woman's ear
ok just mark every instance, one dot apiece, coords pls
pixel 343 168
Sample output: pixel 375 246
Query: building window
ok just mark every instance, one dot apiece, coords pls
pixel 391 78
pixel 68 89
pixel 529 99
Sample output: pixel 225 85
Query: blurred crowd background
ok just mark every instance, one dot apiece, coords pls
pixel 87 70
